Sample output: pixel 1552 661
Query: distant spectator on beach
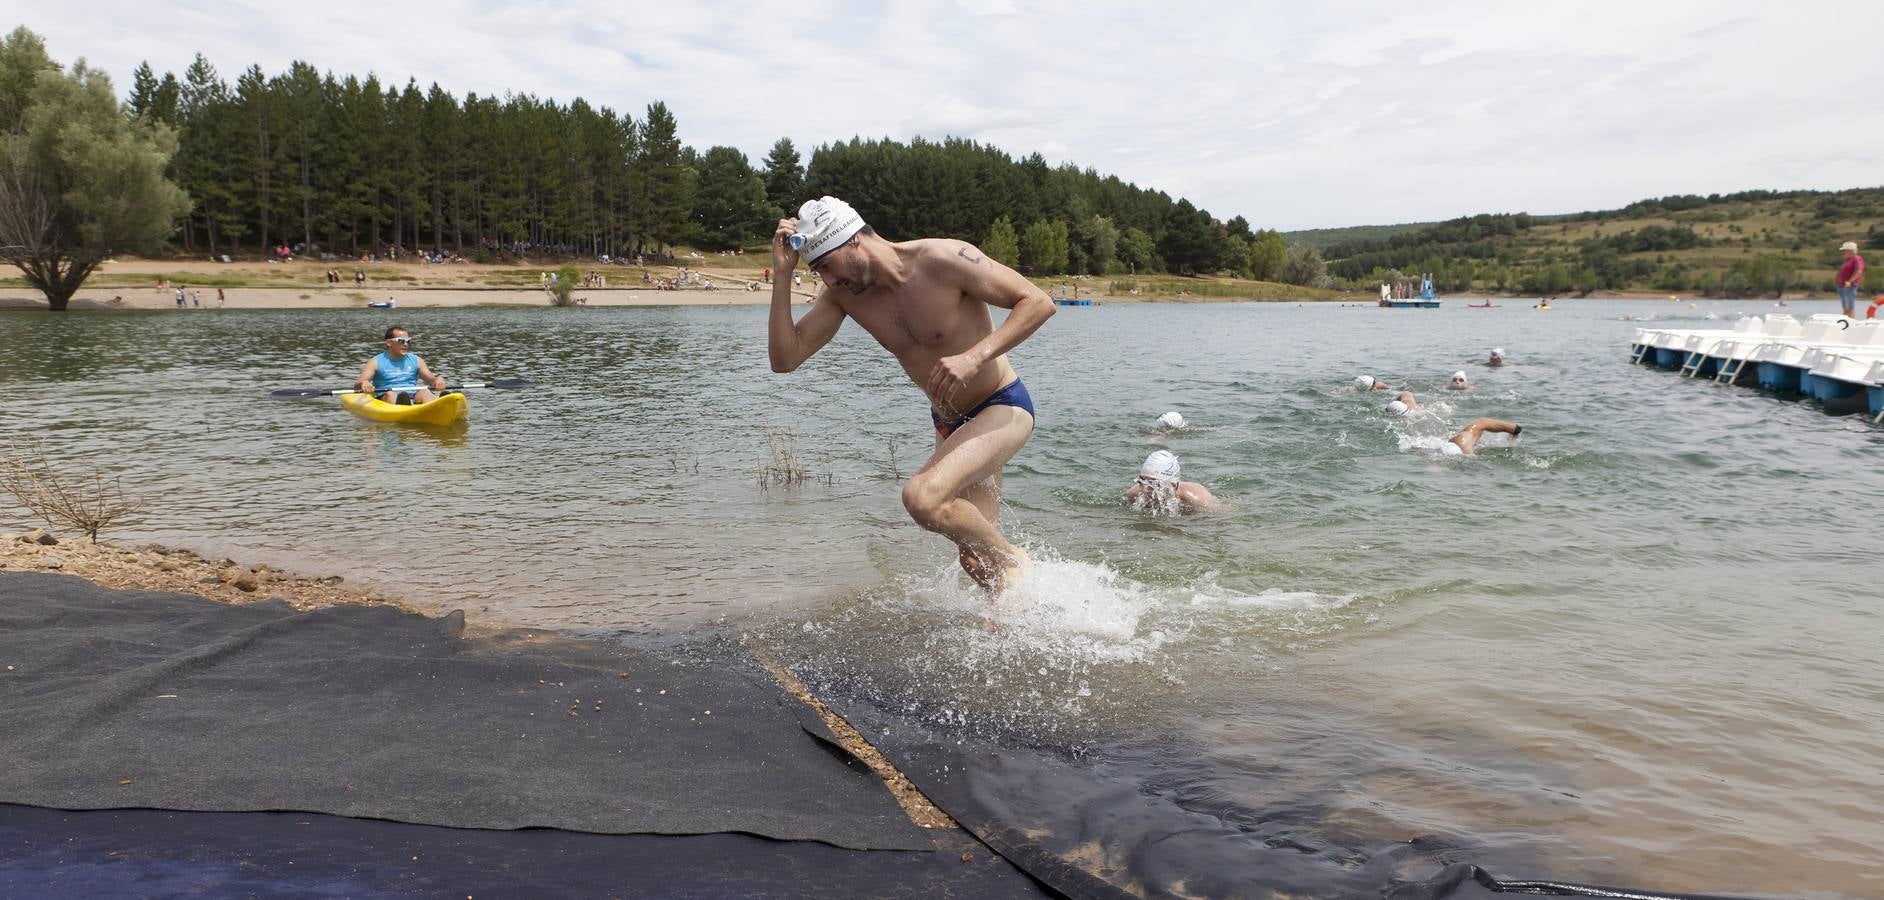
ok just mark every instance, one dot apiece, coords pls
pixel 1370 383
pixel 359 276
pixel 1466 441
pixel 1850 278
pixel 220 298
pixel 1497 357
pixel 180 297
pixel 1157 488
pixel 196 298
pixel 1458 382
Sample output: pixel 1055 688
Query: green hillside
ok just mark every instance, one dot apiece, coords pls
pixel 1323 238
pixel 1752 243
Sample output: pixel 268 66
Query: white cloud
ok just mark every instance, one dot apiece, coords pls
pixel 1291 115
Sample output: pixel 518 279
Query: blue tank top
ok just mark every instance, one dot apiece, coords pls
pixel 389 374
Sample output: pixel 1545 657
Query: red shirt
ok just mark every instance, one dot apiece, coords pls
pixel 1852 271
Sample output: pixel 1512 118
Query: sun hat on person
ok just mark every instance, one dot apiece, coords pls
pixel 1161 465
pixel 1396 408
pixel 1849 245
pixel 1172 419
pixel 825 224
pixel 1364 382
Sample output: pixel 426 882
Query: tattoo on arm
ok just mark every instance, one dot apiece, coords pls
pixel 965 254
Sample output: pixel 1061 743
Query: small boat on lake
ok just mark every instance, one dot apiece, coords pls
pixel 1401 294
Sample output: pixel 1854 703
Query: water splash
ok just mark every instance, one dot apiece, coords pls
pixel 1074 646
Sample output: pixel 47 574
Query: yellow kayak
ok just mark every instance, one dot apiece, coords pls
pixel 443 411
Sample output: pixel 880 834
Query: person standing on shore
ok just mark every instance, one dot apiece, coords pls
pixel 1850 276
pixel 926 302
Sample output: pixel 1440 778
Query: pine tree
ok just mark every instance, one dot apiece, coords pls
pixel 784 179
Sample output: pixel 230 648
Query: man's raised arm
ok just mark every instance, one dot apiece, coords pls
pixel 791 343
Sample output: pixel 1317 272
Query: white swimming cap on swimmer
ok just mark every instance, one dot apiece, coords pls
pixel 1171 420
pixel 1396 408
pixel 826 223
pixel 1161 465
pixel 1459 375
pixel 1364 382
pixel 1498 351
pixel 1450 449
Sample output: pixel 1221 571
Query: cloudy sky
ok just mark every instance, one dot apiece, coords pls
pixel 1293 115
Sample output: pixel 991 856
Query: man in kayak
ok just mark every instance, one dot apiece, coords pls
pixel 925 301
pixel 396 374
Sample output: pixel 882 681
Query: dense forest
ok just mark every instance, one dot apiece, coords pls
pixel 351 166
pixel 348 165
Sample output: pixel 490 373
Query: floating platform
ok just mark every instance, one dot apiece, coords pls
pixel 1072 302
pixel 1412 304
pixel 1834 360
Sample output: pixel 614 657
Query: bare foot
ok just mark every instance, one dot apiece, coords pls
pixel 995 570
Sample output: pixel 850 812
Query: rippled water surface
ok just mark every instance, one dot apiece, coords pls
pixel 1639 645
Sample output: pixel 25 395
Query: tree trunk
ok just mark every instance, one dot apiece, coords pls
pixel 57 280
pixel 307 204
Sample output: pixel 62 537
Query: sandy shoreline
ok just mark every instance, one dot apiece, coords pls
pixel 157 568
pixel 135 284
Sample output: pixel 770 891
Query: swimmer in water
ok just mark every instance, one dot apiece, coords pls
pixel 1458 382
pixel 1497 357
pixel 1370 383
pixel 1466 441
pixel 1170 421
pixel 1158 489
pixel 1404 405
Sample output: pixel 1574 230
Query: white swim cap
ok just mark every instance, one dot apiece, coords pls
pixel 1365 382
pixel 825 224
pixel 1171 420
pixel 1161 465
pixel 1396 408
pixel 1459 375
pixel 1498 351
pixel 1450 449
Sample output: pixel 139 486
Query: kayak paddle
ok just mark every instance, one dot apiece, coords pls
pixel 506 384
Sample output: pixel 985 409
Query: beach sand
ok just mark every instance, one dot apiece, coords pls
pixel 152 284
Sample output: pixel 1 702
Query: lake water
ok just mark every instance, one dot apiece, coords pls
pixel 1641 645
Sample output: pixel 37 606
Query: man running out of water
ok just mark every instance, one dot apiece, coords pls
pixel 926 302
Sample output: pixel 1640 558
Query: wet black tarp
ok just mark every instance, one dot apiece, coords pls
pixel 47 853
pixel 122 699
pixel 1104 824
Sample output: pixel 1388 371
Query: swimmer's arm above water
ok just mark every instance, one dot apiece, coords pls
pixel 963 265
pixel 791 343
pixel 1198 497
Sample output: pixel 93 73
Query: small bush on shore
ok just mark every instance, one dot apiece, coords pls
pixel 87 504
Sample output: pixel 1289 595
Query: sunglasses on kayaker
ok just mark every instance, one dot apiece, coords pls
pixel 403 340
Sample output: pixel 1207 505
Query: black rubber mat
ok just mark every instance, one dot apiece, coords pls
pixel 130 699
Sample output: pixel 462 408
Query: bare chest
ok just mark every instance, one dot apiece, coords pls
pixel 931 321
